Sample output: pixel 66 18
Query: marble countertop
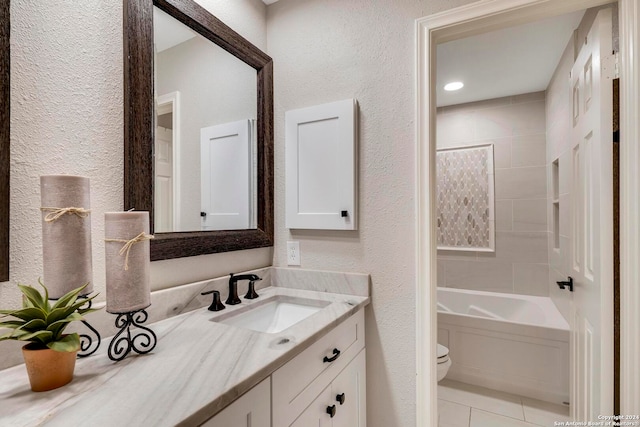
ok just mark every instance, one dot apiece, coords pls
pixel 197 368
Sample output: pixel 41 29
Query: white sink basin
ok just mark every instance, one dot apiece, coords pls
pixel 273 315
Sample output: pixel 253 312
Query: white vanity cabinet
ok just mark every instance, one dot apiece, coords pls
pixel 305 387
pixel 342 403
pixel 253 409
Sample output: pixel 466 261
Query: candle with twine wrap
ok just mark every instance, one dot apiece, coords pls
pixel 66 233
pixel 127 261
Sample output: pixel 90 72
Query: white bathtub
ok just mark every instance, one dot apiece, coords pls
pixel 513 343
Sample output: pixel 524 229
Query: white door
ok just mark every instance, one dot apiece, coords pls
pixel 226 176
pixel 592 225
pixel 163 198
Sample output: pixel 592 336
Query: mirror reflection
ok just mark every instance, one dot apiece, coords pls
pixel 205 144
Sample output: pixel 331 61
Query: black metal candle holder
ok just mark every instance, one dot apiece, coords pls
pixel 123 342
pixel 87 347
pixel 87 344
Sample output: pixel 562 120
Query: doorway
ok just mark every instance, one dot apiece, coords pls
pixel 474 19
pixel 167 163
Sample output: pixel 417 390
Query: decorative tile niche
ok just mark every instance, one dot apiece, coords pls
pixel 465 199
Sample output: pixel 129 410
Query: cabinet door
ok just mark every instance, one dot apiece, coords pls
pixel 253 409
pixel 316 414
pixel 299 382
pixel 321 166
pixel 350 388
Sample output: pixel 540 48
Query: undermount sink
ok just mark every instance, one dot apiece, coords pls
pixel 273 315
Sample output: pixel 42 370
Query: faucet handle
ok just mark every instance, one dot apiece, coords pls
pixel 216 304
pixel 251 292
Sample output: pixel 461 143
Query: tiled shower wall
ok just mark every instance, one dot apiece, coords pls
pixel 516 127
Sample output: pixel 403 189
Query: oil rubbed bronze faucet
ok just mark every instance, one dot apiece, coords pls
pixel 233 298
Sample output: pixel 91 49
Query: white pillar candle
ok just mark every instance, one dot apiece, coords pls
pixel 127 270
pixel 66 233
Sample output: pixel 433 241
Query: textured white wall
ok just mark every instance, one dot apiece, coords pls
pixel 328 50
pixel 67 117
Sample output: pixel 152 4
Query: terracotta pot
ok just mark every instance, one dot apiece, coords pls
pixel 48 369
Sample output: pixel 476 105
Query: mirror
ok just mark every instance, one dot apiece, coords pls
pixel 237 168
pixel 4 139
pixel 206 102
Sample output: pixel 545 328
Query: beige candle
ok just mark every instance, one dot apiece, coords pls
pixel 127 261
pixel 66 233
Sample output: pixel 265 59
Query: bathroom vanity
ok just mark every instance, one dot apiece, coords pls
pixel 310 389
pixel 207 371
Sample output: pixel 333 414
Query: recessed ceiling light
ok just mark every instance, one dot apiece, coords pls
pixel 453 86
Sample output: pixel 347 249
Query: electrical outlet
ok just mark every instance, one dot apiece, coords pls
pixel 293 253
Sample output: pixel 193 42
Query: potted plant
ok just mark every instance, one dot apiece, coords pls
pixel 50 356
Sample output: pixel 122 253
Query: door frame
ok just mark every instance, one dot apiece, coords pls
pixel 487 15
pixel 164 104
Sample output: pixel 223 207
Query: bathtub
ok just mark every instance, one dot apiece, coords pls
pixel 513 343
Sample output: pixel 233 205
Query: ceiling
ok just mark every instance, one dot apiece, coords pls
pixel 505 62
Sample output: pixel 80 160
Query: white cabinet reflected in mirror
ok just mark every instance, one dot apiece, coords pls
pixel 205 139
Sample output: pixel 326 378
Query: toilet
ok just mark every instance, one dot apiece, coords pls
pixel 444 363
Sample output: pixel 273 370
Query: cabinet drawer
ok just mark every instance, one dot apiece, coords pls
pixel 300 381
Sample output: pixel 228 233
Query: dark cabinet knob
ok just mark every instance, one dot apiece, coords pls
pixel 340 398
pixel 331 410
pixel 336 354
pixel 203 214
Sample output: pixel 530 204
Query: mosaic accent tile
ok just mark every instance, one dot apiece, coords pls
pixel 465 198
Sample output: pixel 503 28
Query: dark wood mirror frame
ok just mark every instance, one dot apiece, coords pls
pixel 5 125
pixel 139 122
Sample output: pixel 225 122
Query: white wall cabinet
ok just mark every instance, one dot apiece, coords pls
pixel 321 166
pixel 252 409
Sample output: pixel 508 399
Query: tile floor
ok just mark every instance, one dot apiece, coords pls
pixel 465 405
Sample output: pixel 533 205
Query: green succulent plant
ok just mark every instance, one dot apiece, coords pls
pixel 40 322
